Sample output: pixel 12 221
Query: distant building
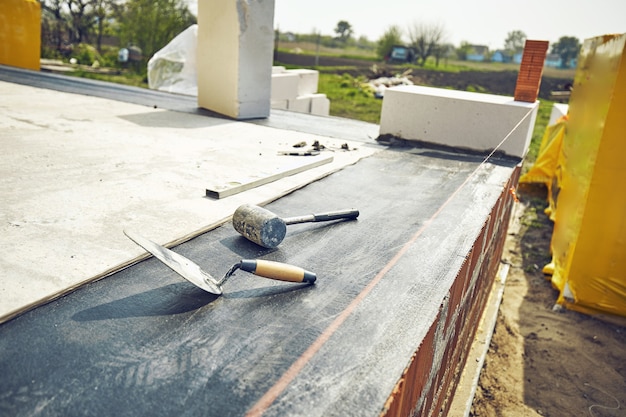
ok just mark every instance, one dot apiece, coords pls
pixel 478 53
pixel 501 56
pixel 553 61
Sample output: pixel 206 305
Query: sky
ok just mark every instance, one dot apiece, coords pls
pixel 479 22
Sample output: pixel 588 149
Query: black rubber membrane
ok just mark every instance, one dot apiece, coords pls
pixel 146 342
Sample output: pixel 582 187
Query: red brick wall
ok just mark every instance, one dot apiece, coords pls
pixel 428 383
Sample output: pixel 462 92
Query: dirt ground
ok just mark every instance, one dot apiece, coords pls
pixel 544 361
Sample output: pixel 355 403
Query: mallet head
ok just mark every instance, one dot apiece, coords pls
pixel 259 225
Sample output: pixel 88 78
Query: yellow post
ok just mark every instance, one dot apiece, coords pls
pixel 20 33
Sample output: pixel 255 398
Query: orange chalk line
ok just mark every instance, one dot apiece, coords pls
pixel 270 396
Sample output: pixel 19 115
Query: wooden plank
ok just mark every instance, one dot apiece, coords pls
pixel 248 183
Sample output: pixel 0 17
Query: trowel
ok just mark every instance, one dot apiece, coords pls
pixel 194 274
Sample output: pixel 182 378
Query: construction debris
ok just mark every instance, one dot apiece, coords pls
pixel 380 84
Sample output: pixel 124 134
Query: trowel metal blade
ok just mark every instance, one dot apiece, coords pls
pixel 177 263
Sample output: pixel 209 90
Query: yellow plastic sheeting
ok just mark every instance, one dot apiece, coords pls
pixel 544 169
pixel 589 239
pixel 20 33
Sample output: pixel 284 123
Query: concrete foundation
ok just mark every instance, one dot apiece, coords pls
pixel 235 46
pixel 458 119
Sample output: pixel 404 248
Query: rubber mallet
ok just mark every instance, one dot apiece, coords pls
pixel 266 229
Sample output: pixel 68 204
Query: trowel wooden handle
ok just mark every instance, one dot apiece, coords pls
pixel 277 270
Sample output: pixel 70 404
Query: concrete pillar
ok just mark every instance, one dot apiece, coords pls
pixel 235 53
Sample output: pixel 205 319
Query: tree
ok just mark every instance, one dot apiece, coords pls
pixel 567 48
pixel 82 19
pixel 343 30
pixel 75 21
pixel 443 50
pixel 101 10
pixel 53 24
pixel 364 43
pixel 515 41
pixel 425 38
pixel 463 50
pixel 391 37
pixel 151 24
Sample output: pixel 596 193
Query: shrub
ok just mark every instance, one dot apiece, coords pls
pixel 86 54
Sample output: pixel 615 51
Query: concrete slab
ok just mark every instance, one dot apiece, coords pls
pixel 334 127
pixel 77 169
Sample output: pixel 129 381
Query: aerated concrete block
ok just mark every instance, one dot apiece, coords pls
pixel 459 119
pixel 285 85
pixel 300 104
pixel 235 54
pixel 280 104
pixel 317 104
pixel 308 80
pixel 320 105
pixel 558 110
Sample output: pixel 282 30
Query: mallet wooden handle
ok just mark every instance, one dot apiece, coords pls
pixel 277 270
pixel 324 217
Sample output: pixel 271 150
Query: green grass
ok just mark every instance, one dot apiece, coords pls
pixel 350 98
pixel 309 48
pixel 543 118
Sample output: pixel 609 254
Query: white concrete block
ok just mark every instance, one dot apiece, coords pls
pixel 300 104
pixel 320 105
pixel 317 104
pixel 234 57
pixel 309 80
pixel 280 104
pixel 459 119
pixel 285 86
pixel 558 110
pixel 278 69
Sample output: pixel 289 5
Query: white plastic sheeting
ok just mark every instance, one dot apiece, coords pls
pixel 173 68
